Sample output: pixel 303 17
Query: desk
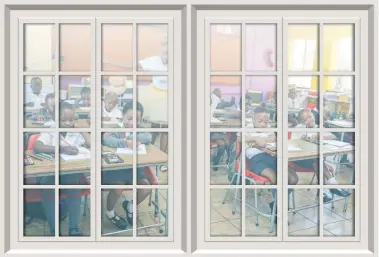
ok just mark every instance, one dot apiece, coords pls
pixel 227 123
pixel 82 113
pixel 82 123
pixel 340 123
pixel 31 109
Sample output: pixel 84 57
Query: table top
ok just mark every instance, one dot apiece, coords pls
pixel 81 123
pixel 340 123
pixel 227 123
pixel 154 156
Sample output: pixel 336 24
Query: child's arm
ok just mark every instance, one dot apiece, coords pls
pixel 87 139
pixel 144 138
pixel 40 147
pixel 113 140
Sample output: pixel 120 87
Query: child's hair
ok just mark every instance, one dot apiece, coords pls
pixel 85 90
pixel 301 113
pixel 129 106
pixel 261 110
pixel 65 106
pixel 35 79
pixel 49 96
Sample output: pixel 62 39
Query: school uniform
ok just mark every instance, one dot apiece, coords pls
pixel 118 140
pixel 115 113
pixel 298 102
pixel 38 100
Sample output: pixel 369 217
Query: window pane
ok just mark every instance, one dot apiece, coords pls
pixel 339 166
pixel 224 148
pixel 260 91
pixel 114 221
pixel 339 215
pixel 303 102
pixel 117 50
pixel 262 201
pixel 75 155
pixel 260 47
pixel 75 95
pixel 225 213
pixel 39 102
pixel 152 213
pixel 303 47
pixel 75 47
pixel 74 212
pixel 225 101
pixel 152 47
pixel 303 213
pixel 338 51
pixel 225 47
pixel 303 158
pixel 39 47
pixel 39 159
pixel 39 209
pixel 152 95
pixel 117 105
pixel 338 102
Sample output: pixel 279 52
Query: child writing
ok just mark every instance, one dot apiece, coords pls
pixel 69 143
pixel 125 176
pixel 47 113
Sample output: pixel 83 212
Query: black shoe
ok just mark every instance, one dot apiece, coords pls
pixel 340 192
pixel 75 232
pixel 326 198
pixel 129 215
pixel 271 207
pixel 118 221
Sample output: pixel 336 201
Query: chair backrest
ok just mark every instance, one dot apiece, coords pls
pixel 32 141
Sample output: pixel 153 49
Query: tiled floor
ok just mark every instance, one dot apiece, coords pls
pixel 303 223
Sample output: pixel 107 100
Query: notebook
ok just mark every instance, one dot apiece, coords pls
pixel 292 148
pixel 141 150
pixel 83 154
pixel 336 143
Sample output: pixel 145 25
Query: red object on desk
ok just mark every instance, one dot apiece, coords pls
pixel 289 135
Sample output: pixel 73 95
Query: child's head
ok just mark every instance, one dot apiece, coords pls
pixel 217 92
pixel 85 96
pixel 36 85
pixel 292 93
pixel 110 101
pixel 261 117
pixel 67 115
pixel 127 114
pixel 306 118
pixel 50 103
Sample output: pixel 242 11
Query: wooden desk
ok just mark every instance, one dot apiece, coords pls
pixel 79 110
pixel 31 109
pixel 340 123
pixel 228 123
pixel 29 124
pixel 82 123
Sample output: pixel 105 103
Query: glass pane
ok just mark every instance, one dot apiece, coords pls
pixel 152 47
pixel 260 100
pixel 74 212
pixel 75 47
pixel 303 213
pixel 114 206
pixel 39 158
pixel 260 47
pixel 39 212
pixel 225 101
pixel 303 158
pixel 152 212
pixel 261 160
pixel 117 50
pixel 75 94
pixel 117 158
pixel 303 102
pixel 152 158
pixel 339 214
pixel 225 36
pixel 39 102
pixel 39 47
pixel 338 47
pixel 152 95
pixel 338 102
pixel 225 213
pixel 225 147
pixel 303 47
pixel 117 104
pixel 261 201
pixel 339 166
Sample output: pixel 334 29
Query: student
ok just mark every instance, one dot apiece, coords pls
pixel 224 140
pixel 69 143
pixel 260 118
pixel 125 176
pixel 306 119
pixel 36 98
pixel 85 97
pixel 47 113
pixel 109 108
pixel 327 114
pixel 295 100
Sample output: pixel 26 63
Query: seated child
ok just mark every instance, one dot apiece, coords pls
pixel 69 143
pixel 47 113
pixel 109 108
pixel 85 98
pixel 125 176
pixel 36 98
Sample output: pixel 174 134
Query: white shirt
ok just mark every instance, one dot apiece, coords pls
pixel 155 63
pixel 251 152
pixel 113 114
pixel 74 139
pixel 298 102
pixel 215 101
pixel 36 99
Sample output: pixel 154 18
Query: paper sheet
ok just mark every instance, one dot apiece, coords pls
pixel 141 150
pixel 292 148
pixel 214 120
pixel 83 108
pixel 336 143
pixel 83 154
pixel 111 122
